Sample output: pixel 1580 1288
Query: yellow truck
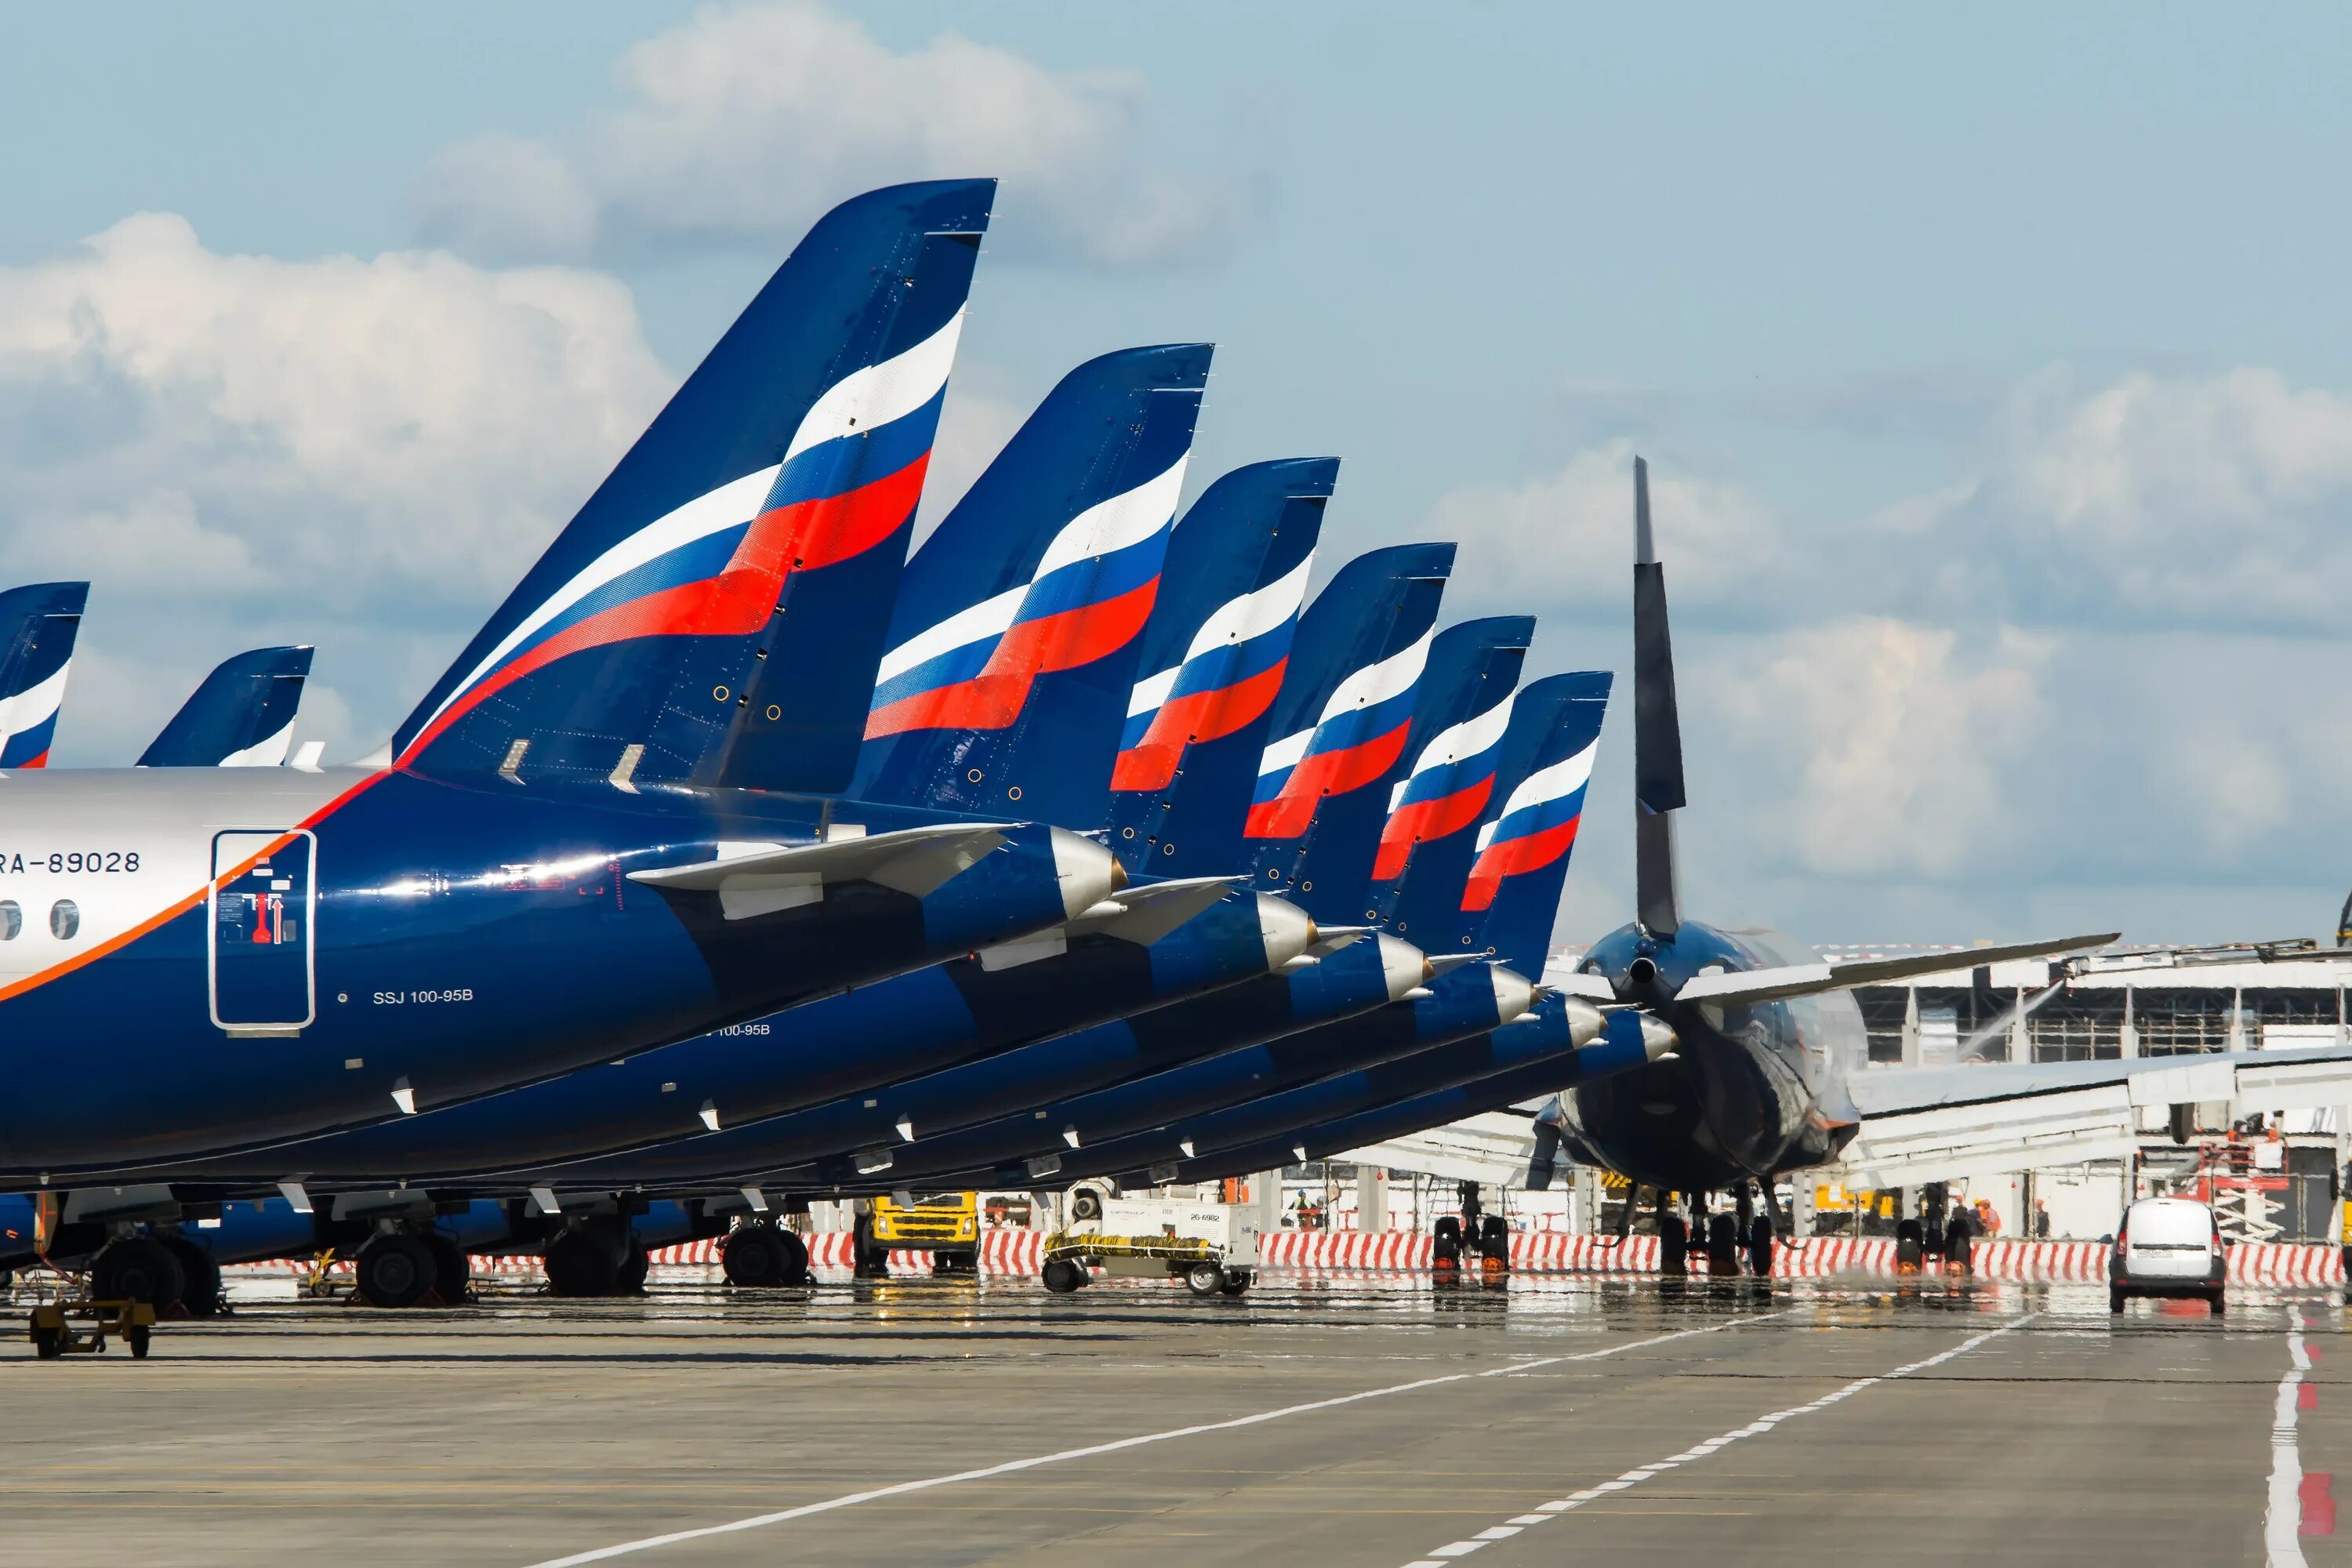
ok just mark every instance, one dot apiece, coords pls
pixel 946 1226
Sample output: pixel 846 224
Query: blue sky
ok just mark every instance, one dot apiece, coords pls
pixel 1993 366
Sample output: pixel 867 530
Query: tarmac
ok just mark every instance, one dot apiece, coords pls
pixel 1372 1420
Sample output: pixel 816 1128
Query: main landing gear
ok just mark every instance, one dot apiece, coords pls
pixel 407 1268
pixel 1473 1233
pixel 763 1256
pixel 1741 1241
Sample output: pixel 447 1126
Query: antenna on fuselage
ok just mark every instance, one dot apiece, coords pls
pixel 1657 731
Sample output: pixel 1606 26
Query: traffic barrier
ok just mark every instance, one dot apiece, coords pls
pixel 1022 1252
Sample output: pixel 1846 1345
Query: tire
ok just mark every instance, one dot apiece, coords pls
pixel 636 1264
pixel 1205 1278
pixel 753 1257
pixel 869 1259
pixel 1446 1251
pixel 395 1270
pixel 794 1252
pixel 1760 1243
pixel 137 1269
pixel 583 1262
pixel 48 1344
pixel 1723 1244
pixel 200 1290
pixel 2221 1307
pixel 1448 1228
pixel 2115 1299
pixel 138 1336
pixel 1674 1246
pixel 1495 1238
pixel 1061 1276
pixel 1236 1281
pixel 453 1271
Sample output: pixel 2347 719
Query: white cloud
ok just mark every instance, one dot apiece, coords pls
pixel 2219 500
pixel 360 453
pixel 740 126
pixel 1564 541
pixel 1887 743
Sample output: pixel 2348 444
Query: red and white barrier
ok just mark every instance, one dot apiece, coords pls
pixel 1022 1252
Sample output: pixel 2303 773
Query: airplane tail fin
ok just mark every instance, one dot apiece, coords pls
pixel 1457 738
pixel 714 613
pixel 241 716
pixel 1470 664
pixel 39 624
pixel 1013 646
pixel 1510 900
pixel 1657 731
pixel 1345 711
pixel 1196 720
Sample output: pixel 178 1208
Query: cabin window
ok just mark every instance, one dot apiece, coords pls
pixel 12 920
pixel 64 920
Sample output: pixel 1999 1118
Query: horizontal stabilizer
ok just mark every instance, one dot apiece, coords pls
pixel 758 878
pixel 1811 979
pixel 1143 912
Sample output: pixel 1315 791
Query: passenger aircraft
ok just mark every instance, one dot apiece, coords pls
pixel 37 626
pixel 583 842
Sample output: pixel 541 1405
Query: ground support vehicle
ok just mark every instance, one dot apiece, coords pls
pixel 1211 1247
pixel 76 1325
pixel 946 1226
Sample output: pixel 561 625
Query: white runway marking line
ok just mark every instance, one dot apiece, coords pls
pixel 2282 1518
pixel 851 1501
pixel 1544 1512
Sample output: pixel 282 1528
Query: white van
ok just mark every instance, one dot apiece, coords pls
pixel 2168 1247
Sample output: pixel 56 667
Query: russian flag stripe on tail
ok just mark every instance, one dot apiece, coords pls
pixel 798 447
pixel 1360 736
pixel 38 624
pixel 1093 591
pixel 1012 647
pixel 1536 826
pixel 1451 785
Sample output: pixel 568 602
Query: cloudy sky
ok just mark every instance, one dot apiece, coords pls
pixel 1995 370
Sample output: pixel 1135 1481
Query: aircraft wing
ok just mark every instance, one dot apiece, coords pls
pixel 1808 979
pixel 757 878
pixel 1944 1123
pixel 1493 1148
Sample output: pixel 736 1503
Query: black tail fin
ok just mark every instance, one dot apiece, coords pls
pixel 1657 731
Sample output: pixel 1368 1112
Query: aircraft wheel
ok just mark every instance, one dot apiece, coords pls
pixel 137 1269
pixel 200 1290
pixel 870 1260
pixel 1722 1245
pixel 1061 1276
pixel 1674 1245
pixel 582 1262
pixel 1760 1243
pixel 1204 1278
pixel 394 1270
pixel 1495 1238
pixel 636 1264
pixel 753 1256
pixel 453 1271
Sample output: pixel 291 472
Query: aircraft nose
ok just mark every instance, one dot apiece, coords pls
pixel 1404 966
pixel 1286 930
pixel 1514 993
pixel 1088 872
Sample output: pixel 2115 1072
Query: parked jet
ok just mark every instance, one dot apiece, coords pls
pixel 241 716
pixel 560 860
pixel 37 626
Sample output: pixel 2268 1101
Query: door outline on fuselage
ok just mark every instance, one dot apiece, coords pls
pixel 261 844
